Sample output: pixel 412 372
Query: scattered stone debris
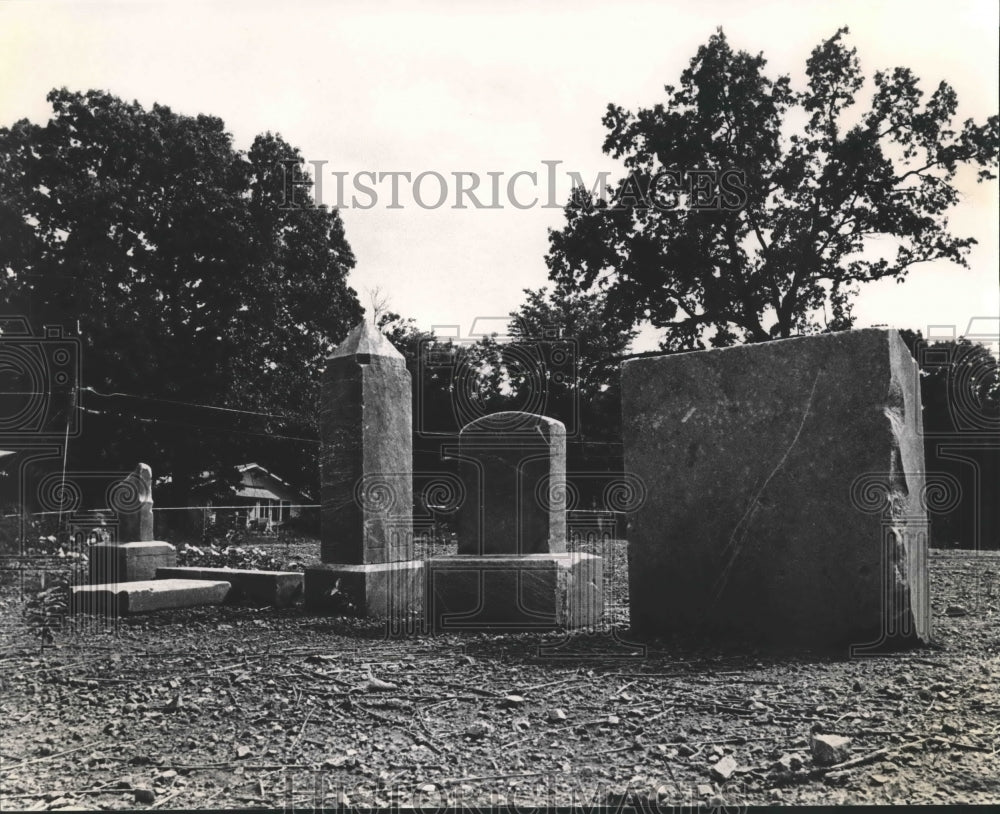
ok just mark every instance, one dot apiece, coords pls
pixel 144 795
pixel 788 763
pixel 378 685
pixel 305 705
pixel 828 750
pixel 724 769
pixel 478 729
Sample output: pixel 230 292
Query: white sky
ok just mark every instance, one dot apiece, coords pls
pixel 487 87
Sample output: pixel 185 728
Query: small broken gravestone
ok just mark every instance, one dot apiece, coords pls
pixel 135 556
pixel 133 501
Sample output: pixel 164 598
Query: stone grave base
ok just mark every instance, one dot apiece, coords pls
pixel 381 590
pixel 146 595
pixel 129 562
pixel 278 588
pixel 510 592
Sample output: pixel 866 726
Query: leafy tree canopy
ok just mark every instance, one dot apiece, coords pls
pixel 749 206
pixel 170 254
pixel 578 344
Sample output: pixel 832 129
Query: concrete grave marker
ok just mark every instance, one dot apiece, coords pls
pixel 760 463
pixel 136 555
pixel 513 465
pixel 366 470
pixel 134 499
pixel 512 571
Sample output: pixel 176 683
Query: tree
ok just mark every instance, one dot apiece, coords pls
pixel 173 258
pixel 452 381
pixel 584 390
pixel 735 222
pixel 578 346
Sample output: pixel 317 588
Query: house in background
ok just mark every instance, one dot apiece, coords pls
pixel 265 500
pixel 262 501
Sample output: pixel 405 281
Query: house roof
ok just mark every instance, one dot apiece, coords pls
pixel 256 493
pixel 252 481
pixel 256 477
pixel 242 468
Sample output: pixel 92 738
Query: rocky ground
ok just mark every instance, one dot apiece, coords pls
pixel 242 707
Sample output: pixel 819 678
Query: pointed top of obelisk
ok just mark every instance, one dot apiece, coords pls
pixel 366 340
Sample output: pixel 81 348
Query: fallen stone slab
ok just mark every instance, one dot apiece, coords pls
pixel 278 588
pixel 146 595
pixel 510 593
pixel 129 562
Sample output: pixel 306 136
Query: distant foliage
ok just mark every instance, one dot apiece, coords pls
pixel 228 557
pixel 227 530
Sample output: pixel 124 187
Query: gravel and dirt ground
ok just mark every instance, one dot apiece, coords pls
pixel 249 708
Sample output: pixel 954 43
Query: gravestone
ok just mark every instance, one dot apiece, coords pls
pixel 143 596
pixel 516 463
pixel 366 471
pixel 512 571
pixel 135 506
pixel 135 555
pixel 278 588
pixel 784 492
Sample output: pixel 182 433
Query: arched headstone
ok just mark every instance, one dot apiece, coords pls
pixel 512 571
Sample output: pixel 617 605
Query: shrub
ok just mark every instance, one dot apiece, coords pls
pixel 228 557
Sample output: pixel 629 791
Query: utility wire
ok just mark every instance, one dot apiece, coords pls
pixel 146 420
pixel 148 398
pixel 183 403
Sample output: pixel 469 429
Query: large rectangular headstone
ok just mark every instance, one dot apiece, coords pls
pixel 784 492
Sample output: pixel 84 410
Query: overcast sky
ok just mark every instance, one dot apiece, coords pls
pixel 485 87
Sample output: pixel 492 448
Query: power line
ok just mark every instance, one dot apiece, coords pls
pixel 146 420
pixel 183 403
pixel 149 398
pixel 79 512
